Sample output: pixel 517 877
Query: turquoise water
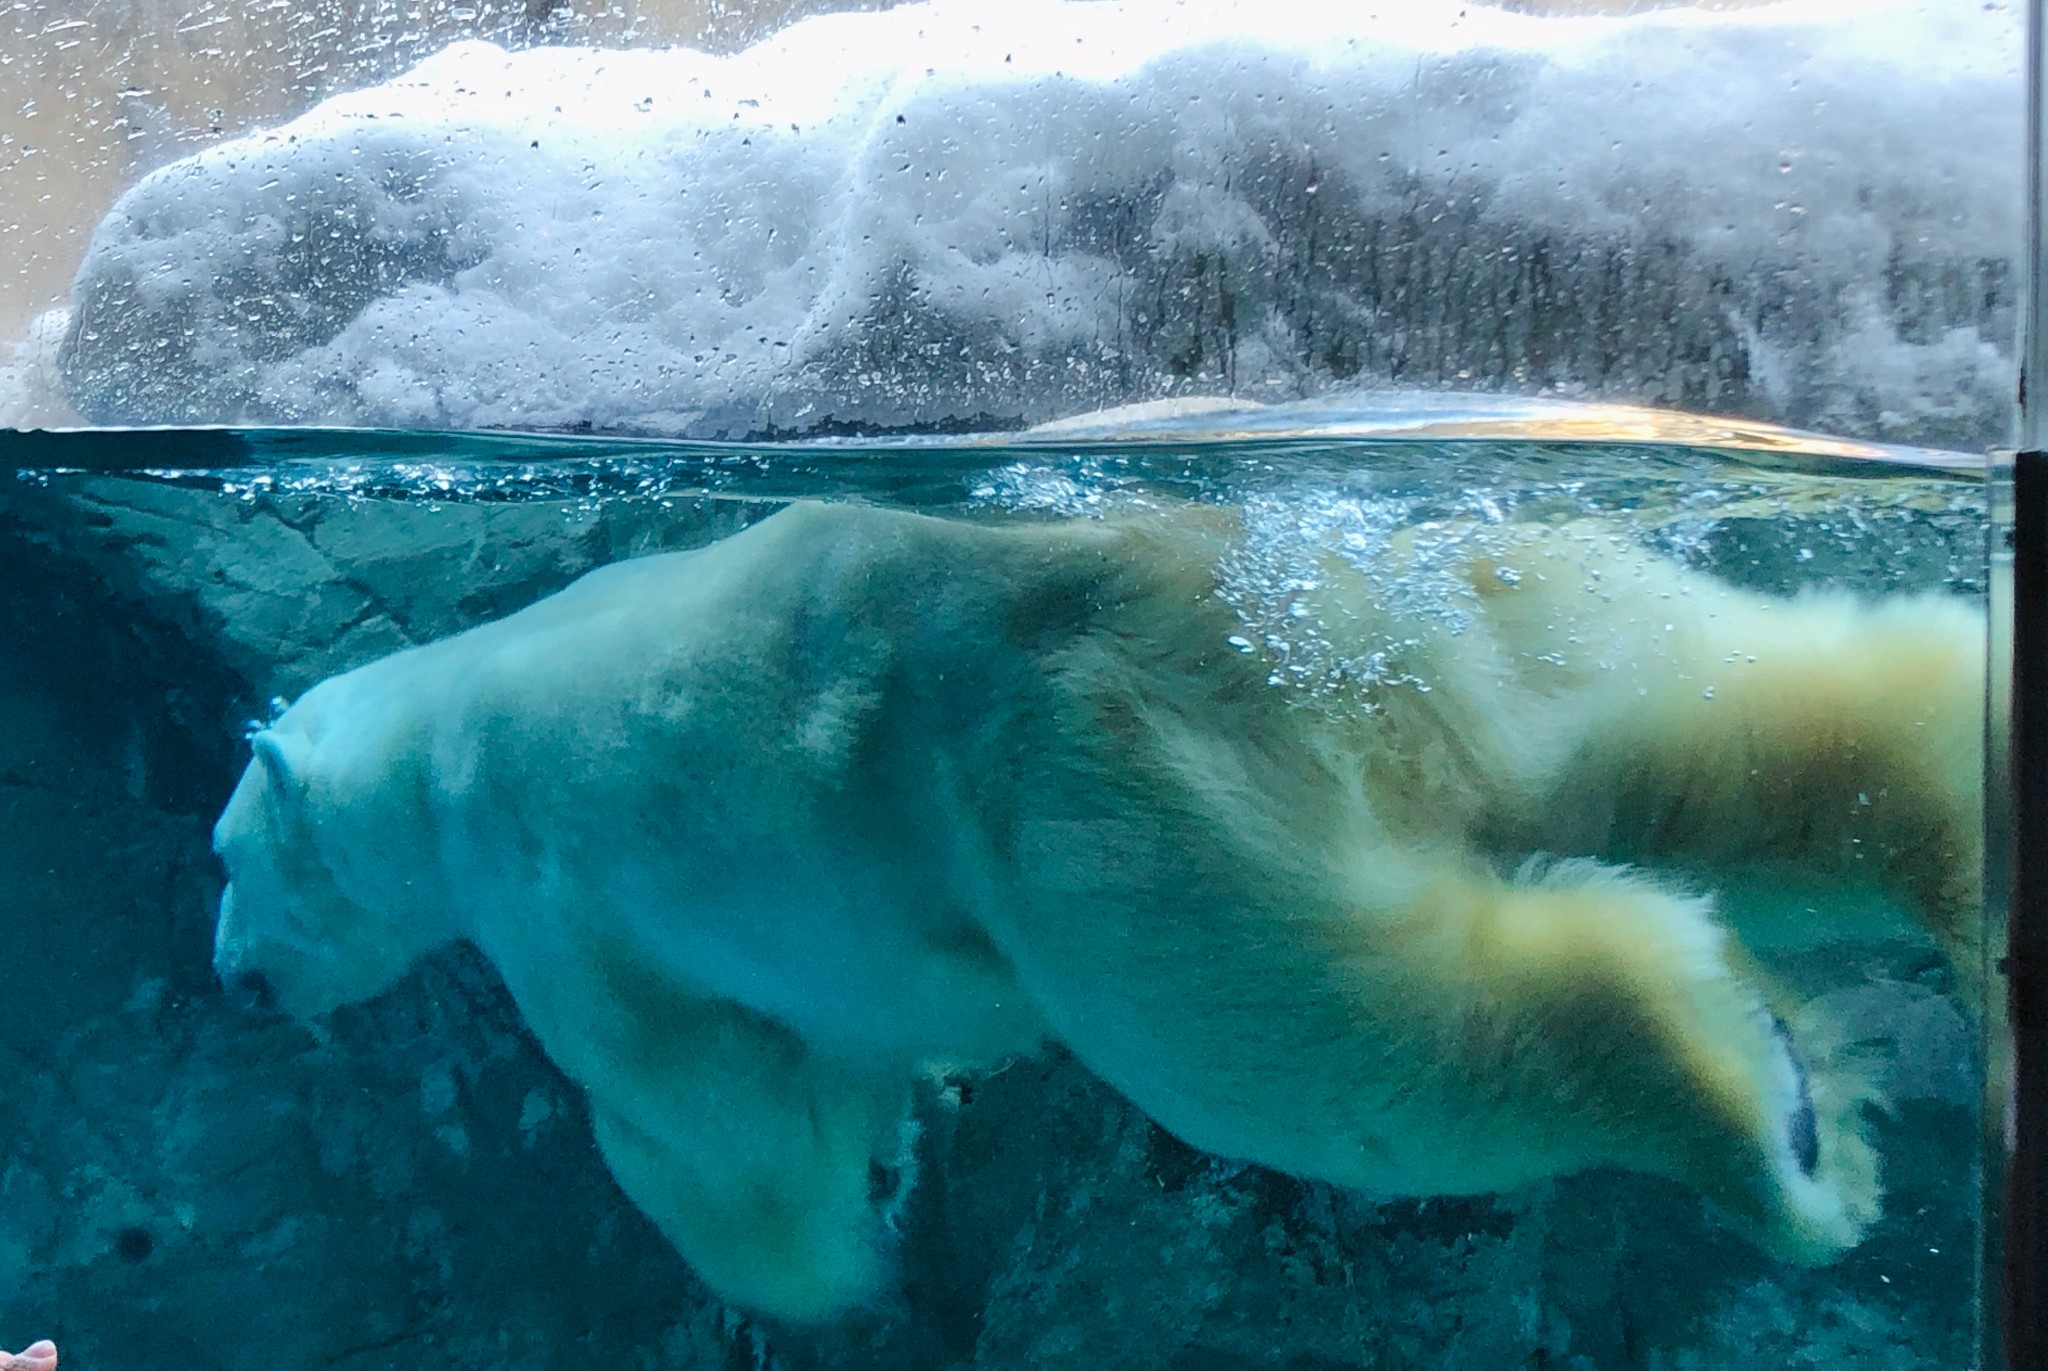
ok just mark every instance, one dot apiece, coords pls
pixel 414 1177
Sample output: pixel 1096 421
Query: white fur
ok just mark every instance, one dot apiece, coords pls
pixel 758 832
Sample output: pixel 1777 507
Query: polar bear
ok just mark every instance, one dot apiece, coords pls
pixel 756 833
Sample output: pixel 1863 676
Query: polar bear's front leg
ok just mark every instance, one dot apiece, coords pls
pixel 771 1170
pixel 798 1246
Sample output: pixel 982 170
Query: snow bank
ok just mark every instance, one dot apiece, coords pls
pixel 964 215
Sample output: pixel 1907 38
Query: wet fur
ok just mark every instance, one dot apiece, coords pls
pixel 756 833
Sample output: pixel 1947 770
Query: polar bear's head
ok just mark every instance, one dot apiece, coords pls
pixel 308 921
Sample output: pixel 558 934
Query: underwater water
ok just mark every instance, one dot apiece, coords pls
pixel 414 1178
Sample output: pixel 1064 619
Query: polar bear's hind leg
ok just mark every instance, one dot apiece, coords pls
pixel 1472 1037
pixel 1837 740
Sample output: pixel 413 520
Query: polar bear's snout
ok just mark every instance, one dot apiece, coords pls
pixel 249 987
pixel 250 991
pixel 264 958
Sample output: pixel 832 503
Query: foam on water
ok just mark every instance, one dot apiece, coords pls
pixel 956 215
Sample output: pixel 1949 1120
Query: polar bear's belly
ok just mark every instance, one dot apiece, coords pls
pixel 860 957
pixel 849 964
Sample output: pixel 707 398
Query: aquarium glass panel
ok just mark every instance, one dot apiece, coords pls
pixel 1159 684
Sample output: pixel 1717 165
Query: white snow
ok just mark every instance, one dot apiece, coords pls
pixel 31 384
pixel 972 214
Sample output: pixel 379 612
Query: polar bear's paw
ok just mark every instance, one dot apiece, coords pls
pixel 1779 1140
pixel 799 1247
pixel 1646 1039
pixel 1813 1189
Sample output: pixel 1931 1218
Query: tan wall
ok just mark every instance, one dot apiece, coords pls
pixel 93 93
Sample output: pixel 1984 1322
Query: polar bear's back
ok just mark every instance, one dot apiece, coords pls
pixel 742 766
pixel 792 769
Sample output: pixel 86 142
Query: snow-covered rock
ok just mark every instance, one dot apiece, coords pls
pixel 956 215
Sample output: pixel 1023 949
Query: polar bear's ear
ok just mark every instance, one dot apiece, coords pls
pixel 275 754
pixel 281 757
